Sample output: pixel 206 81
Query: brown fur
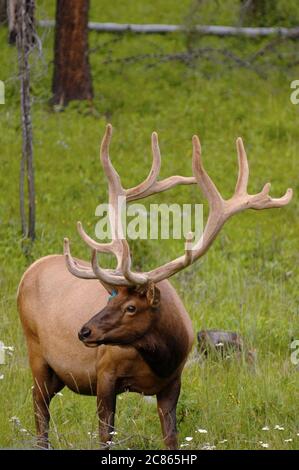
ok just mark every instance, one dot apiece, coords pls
pixel 143 352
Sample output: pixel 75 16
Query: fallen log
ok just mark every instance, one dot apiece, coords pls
pixel 230 31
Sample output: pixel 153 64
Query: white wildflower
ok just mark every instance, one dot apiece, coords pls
pixel 1 376
pixel 288 440
pixel 278 427
pixel 223 441
pixel 188 438
pixel 264 444
pixel 202 431
pixel 113 433
pixel 266 428
pixel 24 430
pixel 208 446
pixel 184 445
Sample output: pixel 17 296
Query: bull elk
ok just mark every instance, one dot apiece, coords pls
pixel 141 335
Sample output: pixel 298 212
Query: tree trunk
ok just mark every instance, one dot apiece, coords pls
pixel 25 35
pixel 12 20
pixel 12 9
pixel 72 77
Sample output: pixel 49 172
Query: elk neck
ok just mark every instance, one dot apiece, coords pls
pixel 165 345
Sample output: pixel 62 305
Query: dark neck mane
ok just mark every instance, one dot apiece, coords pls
pixel 164 347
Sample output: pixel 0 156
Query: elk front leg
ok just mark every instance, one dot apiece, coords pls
pixel 106 403
pixel 167 401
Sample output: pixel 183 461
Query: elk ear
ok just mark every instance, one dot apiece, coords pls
pixel 153 295
pixel 110 289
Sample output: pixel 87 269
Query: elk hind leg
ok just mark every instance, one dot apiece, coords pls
pixel 46 385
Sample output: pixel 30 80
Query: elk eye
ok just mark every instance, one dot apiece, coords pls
pixel 131 308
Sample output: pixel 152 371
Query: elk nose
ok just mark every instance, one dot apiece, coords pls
pixel 84 333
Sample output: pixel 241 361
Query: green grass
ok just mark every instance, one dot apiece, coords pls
pixel 248 281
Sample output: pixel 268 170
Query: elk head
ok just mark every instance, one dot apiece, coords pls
pixel 130 313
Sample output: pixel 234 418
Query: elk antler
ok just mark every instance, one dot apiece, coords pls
pixel 122 275
pixel 220 211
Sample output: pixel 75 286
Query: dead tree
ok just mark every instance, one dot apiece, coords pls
pixel 9 12
pixel 12 6
pixel 72 77
pixel 24 38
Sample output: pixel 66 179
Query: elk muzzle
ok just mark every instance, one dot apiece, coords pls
pixel 87 336
pixel 84 333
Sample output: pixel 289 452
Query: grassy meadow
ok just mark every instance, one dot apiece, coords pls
pixel 248 282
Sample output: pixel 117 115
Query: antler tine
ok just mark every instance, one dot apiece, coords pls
pixel 151 186
pixel 132 277
pixel 262 200
pixel 203 180
pixel 100 247
pixel 281 201
pixel 106 275
pixel 242 200
pixel 73 266
pixel 114 247
pixel 110 172
pixel 242 182
pixel 138 191
pixel 116 190
pixel 168 183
